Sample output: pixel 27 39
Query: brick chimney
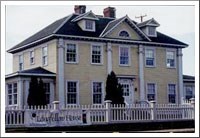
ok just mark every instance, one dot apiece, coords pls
pixel 79 9
pixel 109 12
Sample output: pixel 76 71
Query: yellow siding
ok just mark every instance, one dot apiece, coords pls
pixel 86 72
pixel 161 75
pixel 124 26
pixel 52 57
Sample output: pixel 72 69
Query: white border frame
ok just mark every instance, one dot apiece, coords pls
pixel 175 56
pixel 156 93
pixel 176 93
pixel 154 51
pixel 46 45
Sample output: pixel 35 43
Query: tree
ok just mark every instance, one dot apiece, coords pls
pixel 33 89
pixel 36 94
pixel 42 96
pixel 114 91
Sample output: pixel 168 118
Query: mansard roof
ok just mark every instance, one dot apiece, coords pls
pixel 66 27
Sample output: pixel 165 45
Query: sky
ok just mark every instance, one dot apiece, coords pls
pixel 23 21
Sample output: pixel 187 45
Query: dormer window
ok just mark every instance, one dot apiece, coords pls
pixel 124 34
pixel 89 25
pixel 151 31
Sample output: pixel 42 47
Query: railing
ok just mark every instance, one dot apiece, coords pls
pixel 72 115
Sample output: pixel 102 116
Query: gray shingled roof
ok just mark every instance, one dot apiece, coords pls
pixel 65 26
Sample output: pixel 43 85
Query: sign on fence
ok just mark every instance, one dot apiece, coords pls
pixel 41 118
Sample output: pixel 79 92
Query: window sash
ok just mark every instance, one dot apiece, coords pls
pixel 170 59
pixel 71 53
pixel 151 91
pixel 72 92
pixel 172 93
pixel 124 55
pixel 44 55
pixel 96 54
pixel 152 30
pixel 97 89
pixel 126 89
pixel 124 34
pixel 12 93
pixel 88 24
pixel 32 54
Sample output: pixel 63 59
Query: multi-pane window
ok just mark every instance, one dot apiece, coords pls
pixel 188 92
pixel 47 92
pixel 97 92
pixel 152 30
pixel 96 54
pixel 170 59
pixel 124 56
pixel 71 53
pixel 72 92
pixel 12 93
pixel 44 55
pixel 124 34
pixel 172 93
pixel 150 57
pixel 89 25
pixel 126 89
pixel 32 54
pixel 21 62
pixel 151 92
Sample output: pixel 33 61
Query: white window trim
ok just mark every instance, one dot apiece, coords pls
pixel 22 54
pixel 176 94
pixel 47 55
pixel 33 57
pixel 155 34
pixel 103 91
pixel 93 26
pixel 96 44
pixel 189 85
pixel 77 53
pixel 155 90
pixel 129 56
pixel 126 31
pixel 154 50
pixel 12 105
pixel 77 95
pixel 175 58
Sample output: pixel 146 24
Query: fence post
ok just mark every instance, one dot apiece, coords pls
pixel 108 103
pixel 56 105
pixel 153 110
pixel 193 107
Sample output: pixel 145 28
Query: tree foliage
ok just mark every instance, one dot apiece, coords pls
pixel 36 94
pixel 114 91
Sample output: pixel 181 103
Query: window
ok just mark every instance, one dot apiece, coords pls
pixel 124 34
pixel 44 56
pixel 124 55
pixel 47 92
pixel 97 88
pixel 188 92
pixel 21 64
pixel 170 59
pixel 71 53
pixel 151 92
pixel 172 93
pixel 97 54
pixel 152 31
pixel 89 25
pixel 32 57
pixel 150 57
pixel 12 93
pixel 72 92
pixel 126 89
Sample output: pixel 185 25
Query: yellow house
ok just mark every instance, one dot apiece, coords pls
pixel 75 54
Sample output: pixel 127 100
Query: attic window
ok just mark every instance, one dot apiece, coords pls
pixel 151 31
pixel 124 34
pixel 89 25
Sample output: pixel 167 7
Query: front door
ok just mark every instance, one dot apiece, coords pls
pixel 127 86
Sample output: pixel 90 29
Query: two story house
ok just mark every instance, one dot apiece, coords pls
pixel 74 55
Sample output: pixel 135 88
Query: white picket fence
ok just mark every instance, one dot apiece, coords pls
pixel 72 115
